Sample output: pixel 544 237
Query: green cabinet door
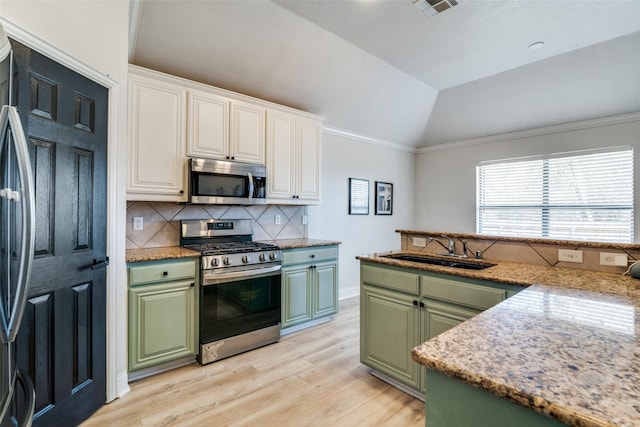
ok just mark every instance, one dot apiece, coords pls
pixel 325 292
pixel 296 295
pixel 389 329
pixel 437 318
pixel 309 284
pixel 161 323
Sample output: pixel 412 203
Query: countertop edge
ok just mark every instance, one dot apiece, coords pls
pixel 496 388
pixel 175 252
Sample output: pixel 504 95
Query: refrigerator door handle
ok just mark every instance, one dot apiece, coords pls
pixel 29 398
pixel 9 119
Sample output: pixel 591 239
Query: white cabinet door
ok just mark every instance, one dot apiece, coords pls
pixel 308 159
pixel 208 134
pixel 281 140
pixel 157 161
pixel 247 142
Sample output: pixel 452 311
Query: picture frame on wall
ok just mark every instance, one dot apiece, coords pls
pixel 384 198
pixel 358 196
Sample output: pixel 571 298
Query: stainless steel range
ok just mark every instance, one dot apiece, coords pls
pixel 240 287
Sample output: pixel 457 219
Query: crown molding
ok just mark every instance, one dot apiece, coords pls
pixel 48 50
pixel 135 14
pixel 367 139
pixel 547 130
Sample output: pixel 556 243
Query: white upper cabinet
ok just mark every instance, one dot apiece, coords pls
pixel 172 119
pixel 208 125
pixel 293 158
pixel 247 132
pixel 157 161
pixel 221 128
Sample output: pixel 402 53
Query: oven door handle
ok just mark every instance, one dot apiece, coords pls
pixel 217 278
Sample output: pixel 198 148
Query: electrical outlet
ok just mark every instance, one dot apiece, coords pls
pixel 618 260
pixel 278 220
pixel 138 223
pixel 305 220
pixel 420 242
pixel 567 255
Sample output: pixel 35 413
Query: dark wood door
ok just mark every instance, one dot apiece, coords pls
pixel 62 341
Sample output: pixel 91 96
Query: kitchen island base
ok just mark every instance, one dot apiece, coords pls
pixel 452 403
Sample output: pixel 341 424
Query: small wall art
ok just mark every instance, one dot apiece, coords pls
pixel 358 196
pixel 384 198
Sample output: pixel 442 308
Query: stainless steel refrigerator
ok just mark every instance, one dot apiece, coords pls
pixel 17 224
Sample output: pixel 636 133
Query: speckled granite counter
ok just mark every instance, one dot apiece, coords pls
pixel 514 273
pixel 568 346
pixel 301 243
pixel 156 254
pixel 169 252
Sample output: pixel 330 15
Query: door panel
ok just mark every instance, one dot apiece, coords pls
pixel 62 343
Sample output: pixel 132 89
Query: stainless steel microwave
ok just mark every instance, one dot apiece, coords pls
pixel 223 182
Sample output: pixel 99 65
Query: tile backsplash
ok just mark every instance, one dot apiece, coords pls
pixel 161 221
pixel 527 251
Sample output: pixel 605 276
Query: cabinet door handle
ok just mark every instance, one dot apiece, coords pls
pixel 421 304
pixel 415 303
pixel 193 284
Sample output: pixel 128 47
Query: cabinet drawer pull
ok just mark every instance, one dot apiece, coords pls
pixel 165 273
pixel 312 256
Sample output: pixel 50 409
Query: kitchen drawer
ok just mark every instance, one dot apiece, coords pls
pixel 163 271
pixel 391 279
pixel 306 255
pixel 461 293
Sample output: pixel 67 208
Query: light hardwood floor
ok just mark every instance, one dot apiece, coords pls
pixel 310 378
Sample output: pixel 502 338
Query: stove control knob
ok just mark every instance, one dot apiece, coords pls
pixel 216 262
pixel 263 257
pixel 246 259
pixel 226 261
pixel 272 256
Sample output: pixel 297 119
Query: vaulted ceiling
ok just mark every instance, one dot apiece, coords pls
pixel 384 69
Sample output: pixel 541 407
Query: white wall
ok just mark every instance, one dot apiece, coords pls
pixel 445 177
pixel 91 37
pixel 343 158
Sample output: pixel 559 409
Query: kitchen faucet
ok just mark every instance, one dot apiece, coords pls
pixel 451 247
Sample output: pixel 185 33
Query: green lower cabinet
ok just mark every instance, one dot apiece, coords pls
pixel 162 316
pixel 401 308
pixel 296 295
pixel 438 318
pixel 389 329
pixel 456 404
pixel 309 284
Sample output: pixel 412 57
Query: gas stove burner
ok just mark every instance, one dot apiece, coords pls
pixel 227 245
pixel 231 247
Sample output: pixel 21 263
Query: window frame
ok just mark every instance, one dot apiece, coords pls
pixel 545 206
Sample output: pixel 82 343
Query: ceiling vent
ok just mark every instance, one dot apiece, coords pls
pixel 433 7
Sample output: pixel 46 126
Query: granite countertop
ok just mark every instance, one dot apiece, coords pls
pixel 567 346
pixel 514 273
pixel 156 254
pixel 301 243
pixel 169 252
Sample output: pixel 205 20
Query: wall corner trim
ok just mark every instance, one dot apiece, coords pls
pixel 368 139
pixel 547 130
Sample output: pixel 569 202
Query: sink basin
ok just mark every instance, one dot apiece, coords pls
pixel 455 263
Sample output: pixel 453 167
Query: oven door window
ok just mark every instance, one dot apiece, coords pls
pixel 210 184
pixel 233 308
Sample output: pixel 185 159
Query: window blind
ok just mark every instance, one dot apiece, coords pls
pixel 570 196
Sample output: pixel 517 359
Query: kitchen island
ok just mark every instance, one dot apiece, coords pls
pixel 566 347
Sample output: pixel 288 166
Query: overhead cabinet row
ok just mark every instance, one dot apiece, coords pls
pixel 172 119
